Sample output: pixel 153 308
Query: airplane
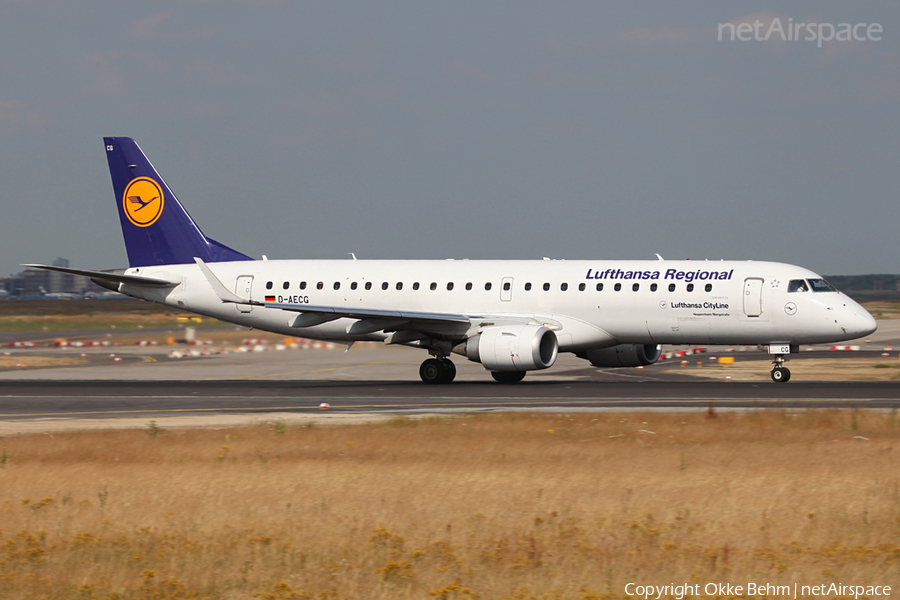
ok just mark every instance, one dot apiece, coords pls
pixel 57 295
pixel 103 296
pixel 512 316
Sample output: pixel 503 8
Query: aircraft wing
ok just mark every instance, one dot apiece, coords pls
pixel 110 276
pixel 366 313
pixel 369 320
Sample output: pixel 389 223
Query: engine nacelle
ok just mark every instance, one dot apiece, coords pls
pixel 512 348
pixel 623 355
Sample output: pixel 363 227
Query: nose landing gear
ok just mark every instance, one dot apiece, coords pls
pixel 780 373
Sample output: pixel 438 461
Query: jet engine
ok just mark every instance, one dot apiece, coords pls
pixel 512 348
pixel 623 355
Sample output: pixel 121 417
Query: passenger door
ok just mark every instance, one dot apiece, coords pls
pixel 243 288
pixel 753 296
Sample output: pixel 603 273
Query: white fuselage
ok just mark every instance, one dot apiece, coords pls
pixel 639 302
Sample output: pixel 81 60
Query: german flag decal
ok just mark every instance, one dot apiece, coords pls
pixel 270 298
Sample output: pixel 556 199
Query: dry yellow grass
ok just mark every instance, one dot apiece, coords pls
pixel 24 362
pixel 499 506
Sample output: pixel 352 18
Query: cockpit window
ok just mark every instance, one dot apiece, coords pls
pixel 797 285
pixel 820 285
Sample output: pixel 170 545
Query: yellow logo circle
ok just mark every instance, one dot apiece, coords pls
pixel 143 201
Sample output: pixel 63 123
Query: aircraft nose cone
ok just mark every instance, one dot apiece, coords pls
pixel 861 323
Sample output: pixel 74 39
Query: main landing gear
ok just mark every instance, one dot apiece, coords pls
pixel 442 370
pixel 780 373
pixel 508 376
pixel 437 370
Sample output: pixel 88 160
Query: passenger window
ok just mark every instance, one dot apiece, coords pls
pixel 416 285
pixel 337 285
pixel 671 287
pixel 384 285
pixel 433 286
pixel 469 287
pixel 653 287
pixel 268 285
pixel 708 287
pixel 506 286
pixel 450 286
pixel 399 285
pixel 690 287
pixel 353 286
pixel 635 287
pixel 599 287
pixel 546 287
pixel 528 287
pixel 368 285
pixel 618 287
pixel 320 285
pixel 302 285
pixel 563 287
pixel 797 285
pixel 581 287
pixel 487 286
pixel 285 285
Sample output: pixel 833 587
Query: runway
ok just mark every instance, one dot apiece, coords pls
pixel 109 399
pixel 148 384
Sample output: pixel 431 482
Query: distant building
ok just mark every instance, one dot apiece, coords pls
pixel 29 282
pixel 61 282
pixel 32 280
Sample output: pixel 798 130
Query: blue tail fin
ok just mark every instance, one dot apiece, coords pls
pixel 157 229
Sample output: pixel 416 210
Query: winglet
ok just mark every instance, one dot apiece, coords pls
pixel 217 286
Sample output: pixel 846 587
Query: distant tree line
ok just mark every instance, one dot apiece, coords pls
pixel 877 286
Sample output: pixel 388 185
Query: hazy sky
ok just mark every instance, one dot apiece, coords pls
pixel 465 129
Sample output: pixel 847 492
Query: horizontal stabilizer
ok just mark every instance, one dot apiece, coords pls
pixel 110 276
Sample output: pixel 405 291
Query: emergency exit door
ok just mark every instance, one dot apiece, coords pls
pixel 506 289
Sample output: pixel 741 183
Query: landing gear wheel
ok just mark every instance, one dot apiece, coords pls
pixel 508 376
pixel 449 370
pixel 435 370
pixel 781 374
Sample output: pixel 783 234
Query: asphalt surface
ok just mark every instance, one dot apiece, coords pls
pixel 106 399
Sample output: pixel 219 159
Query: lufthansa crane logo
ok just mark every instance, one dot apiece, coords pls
pixel 143 201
